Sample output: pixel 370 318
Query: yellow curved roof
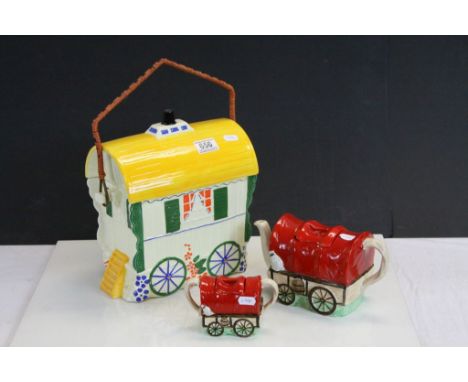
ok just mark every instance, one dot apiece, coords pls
pixel 154 168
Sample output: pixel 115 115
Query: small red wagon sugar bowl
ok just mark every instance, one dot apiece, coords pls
pixel 231 302
pixel 330 266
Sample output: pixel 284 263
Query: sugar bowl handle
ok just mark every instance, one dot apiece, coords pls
pixel 192 284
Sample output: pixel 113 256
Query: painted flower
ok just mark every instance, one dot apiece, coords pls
pixel 242 265
pixel 142 288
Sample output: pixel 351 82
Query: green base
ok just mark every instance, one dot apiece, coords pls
pixel 303 302
pixel 340 311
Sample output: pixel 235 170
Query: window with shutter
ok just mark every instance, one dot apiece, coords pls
pixel 220 203
pixel 172 212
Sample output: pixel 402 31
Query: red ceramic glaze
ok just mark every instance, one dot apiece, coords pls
pixel 332 254
pixel 231 295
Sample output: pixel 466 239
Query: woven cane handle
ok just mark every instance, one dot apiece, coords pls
pixel 136 84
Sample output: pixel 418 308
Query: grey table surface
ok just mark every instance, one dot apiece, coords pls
pixel 431 273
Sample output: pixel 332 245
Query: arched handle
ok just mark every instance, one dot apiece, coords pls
pixel 379 245
pixel 188 287
pixel 132 88
pixel 270 284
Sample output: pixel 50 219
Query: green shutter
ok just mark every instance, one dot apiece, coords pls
pixel 172 211
pixel 220 203
pixel 251 183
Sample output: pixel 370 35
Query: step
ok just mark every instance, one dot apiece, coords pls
pixel 114 275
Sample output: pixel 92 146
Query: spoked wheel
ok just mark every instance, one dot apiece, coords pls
pixel 322 301
pixel 167 276
pixel 286 295
pixel 224 259
pixel 243 327
pixel 215 329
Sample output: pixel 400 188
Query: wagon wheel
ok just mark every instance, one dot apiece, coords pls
pixel 322 301
pixel 224 259
pixel 286 295
pixel 243 327
pixel 167 276
pixel 215 329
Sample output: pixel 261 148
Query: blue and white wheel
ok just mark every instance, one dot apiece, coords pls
pixel 168 276
pixel 225 259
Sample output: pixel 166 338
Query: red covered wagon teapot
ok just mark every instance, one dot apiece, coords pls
pixel 331 266
pixel 231 302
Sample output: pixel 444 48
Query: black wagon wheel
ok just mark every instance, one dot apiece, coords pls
pixel 322 301
pixel 215 329
pixel 286 295
pixel 243 327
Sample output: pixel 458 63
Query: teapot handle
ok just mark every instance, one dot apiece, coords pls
pixel 270 284
pixel 192 284
pixel 379 245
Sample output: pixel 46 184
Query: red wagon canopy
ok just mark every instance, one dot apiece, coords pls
pixel 331 254
pixel 231 295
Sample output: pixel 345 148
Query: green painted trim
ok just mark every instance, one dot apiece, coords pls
pixel 109 208
pixel 220 203
pixel 136 222
pixel 230 332
pixel 251 184
pixel 172 214
pixel 128 214
pixel 340 311
pixel 213 252
pixel 156 267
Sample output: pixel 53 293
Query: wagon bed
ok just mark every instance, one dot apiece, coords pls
pixel 323 295
pixel 242 324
